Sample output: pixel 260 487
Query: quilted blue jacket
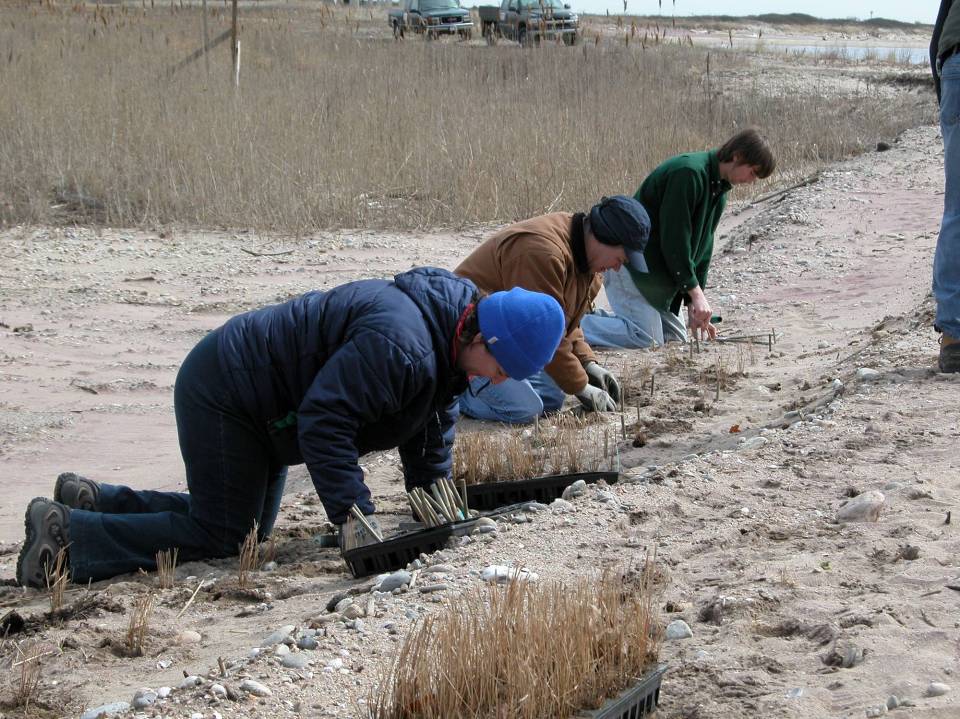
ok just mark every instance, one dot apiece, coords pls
pixel 365 366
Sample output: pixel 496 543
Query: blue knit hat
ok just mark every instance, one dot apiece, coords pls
pixel 522 329
pixel 621 220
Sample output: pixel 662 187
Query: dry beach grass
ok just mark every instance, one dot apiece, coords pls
pixel 566 443
pixel 525 650
pixel 334 125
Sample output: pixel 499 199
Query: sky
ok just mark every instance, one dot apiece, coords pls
pixel 906 10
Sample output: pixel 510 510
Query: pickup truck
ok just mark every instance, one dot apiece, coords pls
pixel 431 18
pixel 529 21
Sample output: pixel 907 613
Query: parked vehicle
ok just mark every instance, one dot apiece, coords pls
pixel 431 18
pixel 529 21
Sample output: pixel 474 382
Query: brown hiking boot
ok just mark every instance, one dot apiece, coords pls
pixel 47 526
pixel 77 492
pixel 949 354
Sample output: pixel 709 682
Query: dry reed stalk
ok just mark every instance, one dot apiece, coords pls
pixel 138 625
pixel 365 177
pixel 249 556
pixel 58 576
pixel 27 682
pixel 505 651
pixel 362 519
pixel 430 514
pixel 166 568
pixel 441 503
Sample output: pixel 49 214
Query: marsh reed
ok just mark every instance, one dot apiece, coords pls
pixel 562 444
pixel 138 625
pixel 167 568
pixel 58 576
pixel 335 126
pixel 529 651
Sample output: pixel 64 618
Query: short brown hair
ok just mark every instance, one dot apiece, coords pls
pixel 749 147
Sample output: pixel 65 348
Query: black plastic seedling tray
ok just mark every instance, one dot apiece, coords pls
pixel 397 553
pixel 636 701
pixel 490 495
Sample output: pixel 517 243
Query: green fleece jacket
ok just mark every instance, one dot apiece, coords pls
pixel 684 197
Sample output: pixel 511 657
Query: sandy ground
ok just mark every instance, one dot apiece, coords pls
pixel 777 593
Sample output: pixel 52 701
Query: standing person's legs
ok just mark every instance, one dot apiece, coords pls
pixel 946 261
pixel 511 401
pixel 232 481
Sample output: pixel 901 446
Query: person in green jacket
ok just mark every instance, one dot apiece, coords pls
pixel 684 197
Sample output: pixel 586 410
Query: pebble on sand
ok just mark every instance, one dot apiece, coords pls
pixel 753 443
pixel 308 643
pixel 561 506
pixel 394 581
pixel 574 490
pixel 937 689
pixel 106 710
pixel 862 508
pixel 295 661
pixel 188 636
pixel 501 574
pixel 867 374
pixel 255 688
pixel 678 629
pixel 278 636
pixel 143 698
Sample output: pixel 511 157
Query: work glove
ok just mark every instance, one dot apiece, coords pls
pixel 595 399
pixel 352 534
pixel 601 377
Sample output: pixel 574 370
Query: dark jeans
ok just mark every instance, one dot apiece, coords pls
pixel 231 475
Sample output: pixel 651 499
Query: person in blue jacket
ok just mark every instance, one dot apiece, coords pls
pixel 321 380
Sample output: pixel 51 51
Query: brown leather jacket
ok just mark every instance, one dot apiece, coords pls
pixel 544 254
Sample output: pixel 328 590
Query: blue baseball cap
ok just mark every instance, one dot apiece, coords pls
pixel 621 220
pixel 522 329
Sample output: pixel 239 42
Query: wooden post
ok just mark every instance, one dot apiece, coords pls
pixel 235 45
pixel 206 38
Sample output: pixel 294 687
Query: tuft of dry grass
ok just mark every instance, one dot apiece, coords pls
pixel 138 625
pixel 58 576
pixel 249 556
pixel 325 130
pixel 26 675
pixel 526 651
pixel 167 567
pixel 564 444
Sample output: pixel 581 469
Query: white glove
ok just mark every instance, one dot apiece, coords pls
pixel 601 377
pixel 595 399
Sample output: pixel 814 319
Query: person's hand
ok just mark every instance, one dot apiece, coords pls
pixel 699 311
pixel 595 399
pixel 352 533
pixel 603 378
pixel 710 332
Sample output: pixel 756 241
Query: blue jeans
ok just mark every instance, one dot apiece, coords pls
pixel 634 323
pixel 232 478
pixel 512 401
pixel 946 260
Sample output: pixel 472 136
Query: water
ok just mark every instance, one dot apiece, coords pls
pixel 912 55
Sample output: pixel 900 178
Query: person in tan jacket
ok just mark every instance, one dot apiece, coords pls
pixel 563 255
